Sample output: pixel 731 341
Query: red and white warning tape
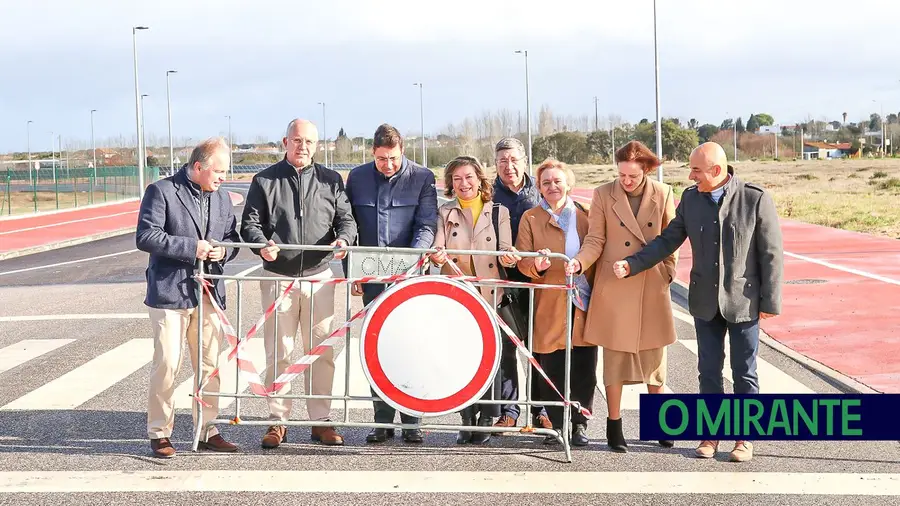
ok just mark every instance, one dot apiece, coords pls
pixel 524 351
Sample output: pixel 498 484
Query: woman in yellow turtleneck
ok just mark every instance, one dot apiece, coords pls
pixel 465 223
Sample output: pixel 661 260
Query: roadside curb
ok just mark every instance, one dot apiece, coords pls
pixel 841 379
pixel 69 242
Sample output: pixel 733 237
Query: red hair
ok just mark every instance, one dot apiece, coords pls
pixel 637 152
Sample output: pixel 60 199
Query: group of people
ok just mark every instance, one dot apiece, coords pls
pixel 623 250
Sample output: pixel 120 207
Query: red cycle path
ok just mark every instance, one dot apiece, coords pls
pixel 844 315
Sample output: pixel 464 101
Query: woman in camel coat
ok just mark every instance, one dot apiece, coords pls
pixel 465 223
pixel 559 225
pixel 630 318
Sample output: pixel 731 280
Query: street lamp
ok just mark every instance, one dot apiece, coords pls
pixel 527 109
pixel 324 132
pixel 169 113
pixel 230 149
pixel 882 126
pixel 658 119
pixel 422 120
pixel 93 144
pixel 138 113
pixel 143 138
pixel 28 143
pixel 734 129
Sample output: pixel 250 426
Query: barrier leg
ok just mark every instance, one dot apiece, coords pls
pixel 567 390
pixel 347 349
pixel 237 369
pixel 198 375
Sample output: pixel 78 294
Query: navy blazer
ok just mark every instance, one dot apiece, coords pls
pixel 169 229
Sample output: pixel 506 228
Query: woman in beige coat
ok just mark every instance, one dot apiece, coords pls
pixel 465 223
pixel 630 318
pixel 559 225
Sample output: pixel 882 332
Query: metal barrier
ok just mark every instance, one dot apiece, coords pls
pixel 237 339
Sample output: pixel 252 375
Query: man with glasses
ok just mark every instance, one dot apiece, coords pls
pixel 394 203
pixel 516 191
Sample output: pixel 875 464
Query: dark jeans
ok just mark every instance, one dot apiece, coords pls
pixel 384 412
pixel 509 376
pixel 583 381
pixel 744 341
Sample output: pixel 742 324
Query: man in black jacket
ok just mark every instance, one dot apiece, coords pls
pixel 298 202
pixel 516 191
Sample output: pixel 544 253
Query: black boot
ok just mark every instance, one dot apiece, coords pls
pixel 614 436
pixel 468 418
pixel 579 435
pixel 480 438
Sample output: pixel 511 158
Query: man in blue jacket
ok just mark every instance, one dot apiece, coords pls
pixel 179 216
pixel 395 204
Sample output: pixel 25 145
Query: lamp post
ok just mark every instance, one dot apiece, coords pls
pixel 422 121
pixel 324 132
pixel 658 119
pixel 527 109
pixel 143 133
pixel 169 113
pixel 28 143
pixel 93 144
pixel 230 149
pixel 138 113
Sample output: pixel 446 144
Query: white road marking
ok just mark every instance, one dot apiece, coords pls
pixel 849 270
pixel 70 262
pixel 28 349
pixel 253 350
pixel 67 222
pixel 88 380
pixel 460 482
pixel 57 317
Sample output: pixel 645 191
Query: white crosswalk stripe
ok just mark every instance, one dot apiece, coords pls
pixel 28 349
pixel 88 380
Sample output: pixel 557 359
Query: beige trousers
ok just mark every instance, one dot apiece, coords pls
pixel 293 322
pixel 170 328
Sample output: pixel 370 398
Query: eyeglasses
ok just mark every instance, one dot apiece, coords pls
pixel 384 159
pixel 508 161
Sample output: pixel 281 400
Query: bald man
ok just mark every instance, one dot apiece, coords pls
pixel 736 273
pixel 298 202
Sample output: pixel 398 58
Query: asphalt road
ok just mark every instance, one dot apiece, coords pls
pixel 103 438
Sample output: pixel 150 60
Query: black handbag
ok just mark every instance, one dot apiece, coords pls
pixel 508 306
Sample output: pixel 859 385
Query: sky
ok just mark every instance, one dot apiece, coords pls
pixel 266 62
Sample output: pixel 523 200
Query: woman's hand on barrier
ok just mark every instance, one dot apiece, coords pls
pixel 356 289
pixel 542 263
pixel 440 257
pixel 573 267
pixel 509 259
pixel 270 252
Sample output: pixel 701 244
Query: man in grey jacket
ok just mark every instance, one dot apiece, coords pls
pixel 736 274
pixel 298 202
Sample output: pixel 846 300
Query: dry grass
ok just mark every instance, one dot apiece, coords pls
pixel 23 202
pixel 859 195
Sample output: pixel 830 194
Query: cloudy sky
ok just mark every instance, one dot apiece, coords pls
pixel 264 62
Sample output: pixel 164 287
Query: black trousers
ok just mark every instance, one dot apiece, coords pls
pixel 583 376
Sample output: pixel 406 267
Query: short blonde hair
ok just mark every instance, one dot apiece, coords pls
pixel 485 188
pixel 552 163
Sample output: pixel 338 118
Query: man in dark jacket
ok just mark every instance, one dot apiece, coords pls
pixel 179 216
pixel 395 204
pixel 516 191
pixel 298 202
pixel 736 274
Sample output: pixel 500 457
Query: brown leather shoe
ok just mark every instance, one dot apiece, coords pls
pixel 217 444
pixel 505 421
pixel 162 448
pixel 742 452
pixel 542 422
pixel 707 449
pixel 326 436
pixel 276 435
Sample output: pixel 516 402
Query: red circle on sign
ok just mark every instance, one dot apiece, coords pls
pixel 486 327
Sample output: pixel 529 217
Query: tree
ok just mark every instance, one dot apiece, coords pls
pixel 739 126
pixel 598 145
pixel 765 119
pixel 728 124
pixel 891 118
pixel 874 122
pixel 844 115
pixel 152 161
pixel 677 141
pixel 343 146
pixel 545 122
pixel 753 124
pixel 706 132
pixel 693 124
pixel 836 125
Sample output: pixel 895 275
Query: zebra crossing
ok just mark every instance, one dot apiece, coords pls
pixel 110 367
